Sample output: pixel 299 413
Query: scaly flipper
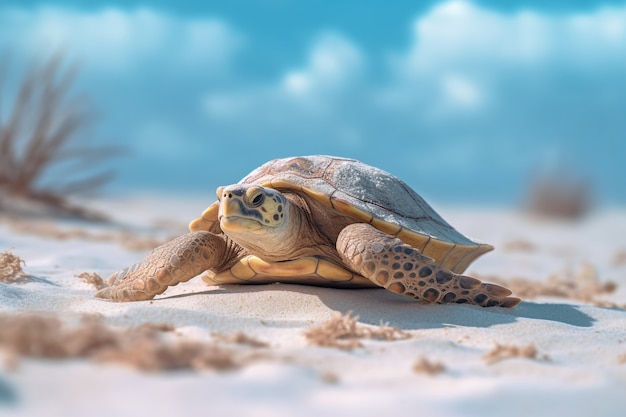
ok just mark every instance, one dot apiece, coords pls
pixel 176 261
pixel 402 269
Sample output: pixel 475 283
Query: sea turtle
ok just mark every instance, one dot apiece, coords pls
pixel 318 220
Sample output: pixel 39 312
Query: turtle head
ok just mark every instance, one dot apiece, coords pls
pixel 250 214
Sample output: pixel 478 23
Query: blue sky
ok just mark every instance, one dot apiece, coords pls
pixel 463 100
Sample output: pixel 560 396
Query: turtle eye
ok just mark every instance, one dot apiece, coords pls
pixel 258 200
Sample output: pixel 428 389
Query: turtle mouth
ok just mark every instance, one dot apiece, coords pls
pixel 239 223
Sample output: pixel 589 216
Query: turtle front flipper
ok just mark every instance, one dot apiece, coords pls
pixel 176 261
pixel 402 269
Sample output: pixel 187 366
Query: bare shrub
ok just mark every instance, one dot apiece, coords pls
pixel 560 194
pixel 45 154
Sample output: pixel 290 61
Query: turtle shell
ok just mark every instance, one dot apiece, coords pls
pixel 370 195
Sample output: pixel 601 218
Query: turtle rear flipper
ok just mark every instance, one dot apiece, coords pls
pixel 402 269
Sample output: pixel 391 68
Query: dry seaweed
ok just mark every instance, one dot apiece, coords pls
pixel 427 367
pixel 240 338
pixel 344 332
pixel 124 238
pixel 147 355
pixel 330 377
pixel 501 352
pixel 143 347
pixel 619 258
pixel 519 245
pixel 11 268
pixel 583 285
pixel 92 278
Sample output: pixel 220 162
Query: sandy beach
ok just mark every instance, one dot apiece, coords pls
pixel 119 120
pixel 282 350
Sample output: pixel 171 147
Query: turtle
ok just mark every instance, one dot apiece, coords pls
pixel 318 220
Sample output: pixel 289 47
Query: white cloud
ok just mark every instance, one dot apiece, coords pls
pixel 462 54
pixel 466 66
pixel 208 42
pixel 114 40
pixel 461 33
pixel 461 91
pixel 334 66
pixel 333 63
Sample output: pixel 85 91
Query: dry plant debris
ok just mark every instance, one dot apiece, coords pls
pixel 330 377
pixel 43 130
pixel 427 367
pixel 519 245
pixel 139 243
pixel 344 332
pixel 124 238
pixel 562 194
pixel 583 285
pixel 619 258
pixel 501 352
pixel 144 347
pixel 240 338
pixel 92 278
pixel 10 268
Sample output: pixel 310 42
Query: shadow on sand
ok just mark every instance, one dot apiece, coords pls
pixel 374 306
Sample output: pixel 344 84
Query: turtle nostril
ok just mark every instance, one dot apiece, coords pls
pixel 229 195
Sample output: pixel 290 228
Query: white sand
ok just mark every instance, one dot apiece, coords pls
pixel 579 370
